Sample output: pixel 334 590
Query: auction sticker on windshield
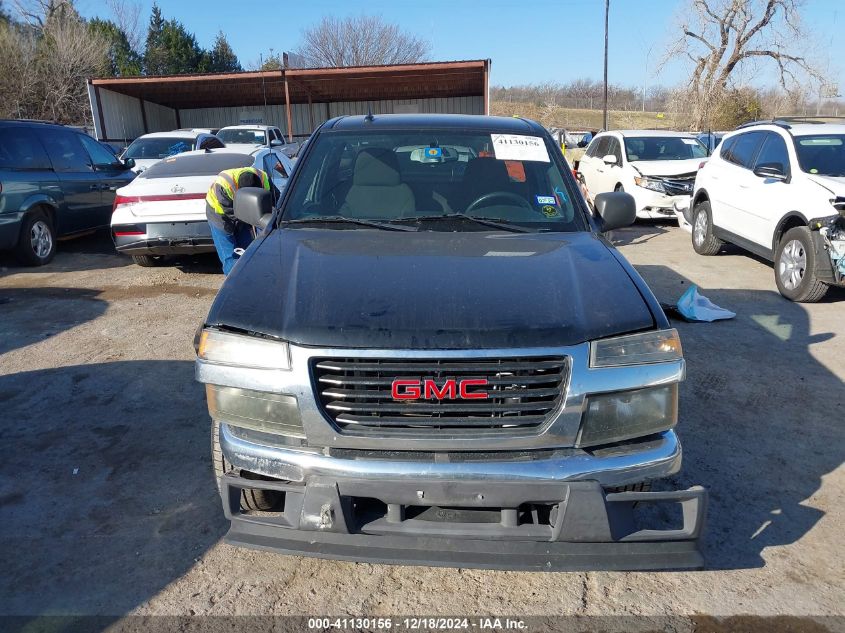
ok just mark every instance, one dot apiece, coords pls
pixel 518 147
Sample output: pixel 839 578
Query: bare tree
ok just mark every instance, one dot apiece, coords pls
pixel 43 65
pixel 127 16
pixel 720 37
pixel 359 41
pixel 68 53
pixel 37 13
pixel 18 76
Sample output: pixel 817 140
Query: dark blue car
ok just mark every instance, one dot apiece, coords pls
pixel 54 182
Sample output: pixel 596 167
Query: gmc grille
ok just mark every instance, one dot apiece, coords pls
pixel 522 393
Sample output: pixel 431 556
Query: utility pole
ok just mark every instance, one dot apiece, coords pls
pixel 606 14
pixel 645 81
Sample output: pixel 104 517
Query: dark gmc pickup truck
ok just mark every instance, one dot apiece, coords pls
pixel 432 355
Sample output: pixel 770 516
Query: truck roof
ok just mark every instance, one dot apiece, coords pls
pixel 512 125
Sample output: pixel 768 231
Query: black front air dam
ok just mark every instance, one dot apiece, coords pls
pixel 579 526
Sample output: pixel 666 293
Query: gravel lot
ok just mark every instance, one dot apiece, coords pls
pixel 109 507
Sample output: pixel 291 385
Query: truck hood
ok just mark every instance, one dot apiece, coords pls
pixel 667 167
pixel 430 290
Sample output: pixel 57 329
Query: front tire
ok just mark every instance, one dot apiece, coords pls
pixel 704 242
pixel 795 267
pixel 37 243
pixel 251 499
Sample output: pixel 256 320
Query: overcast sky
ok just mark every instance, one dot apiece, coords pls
pixel 529 41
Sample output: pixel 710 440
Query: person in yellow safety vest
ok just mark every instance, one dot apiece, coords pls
pixel 230 235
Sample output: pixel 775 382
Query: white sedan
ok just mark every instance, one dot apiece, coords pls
pixel 162 211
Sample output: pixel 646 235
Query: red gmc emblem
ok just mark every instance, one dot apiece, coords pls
pixel 450 389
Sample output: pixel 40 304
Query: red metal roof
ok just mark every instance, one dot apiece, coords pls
pixel 357 83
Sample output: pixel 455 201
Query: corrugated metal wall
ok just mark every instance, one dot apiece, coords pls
pixel 122 114
pixel 275 114
pixel 159 118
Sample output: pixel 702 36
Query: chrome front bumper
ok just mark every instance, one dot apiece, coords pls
pixel 630 463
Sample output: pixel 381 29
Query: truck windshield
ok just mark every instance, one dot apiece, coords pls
pixel 436 180
pixel 822 154
pixel 240 136
pixel 663 148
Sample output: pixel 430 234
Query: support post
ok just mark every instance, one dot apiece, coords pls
pixel 310 113
pixel 487 87
pixel 143 115
pixel 100 113
pixel 287 109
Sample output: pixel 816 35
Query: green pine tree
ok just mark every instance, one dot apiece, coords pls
pixel 222 57
pixel 122 60
pixel 155 57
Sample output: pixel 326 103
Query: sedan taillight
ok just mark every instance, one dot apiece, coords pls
pixel 121 200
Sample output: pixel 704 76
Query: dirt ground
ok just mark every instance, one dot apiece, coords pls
pixel 108 505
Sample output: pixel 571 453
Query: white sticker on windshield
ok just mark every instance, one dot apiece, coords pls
pixel 518 147
pixel 690 141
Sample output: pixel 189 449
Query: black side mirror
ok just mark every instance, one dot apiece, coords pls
pixel 616 209
pixel 254 206
pixel 129 163
pixel 774 171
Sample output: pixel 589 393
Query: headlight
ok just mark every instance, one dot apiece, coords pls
pixel 243 350
pixel 255 410
pixel 658 346
pixel 614 417
pixel 649 183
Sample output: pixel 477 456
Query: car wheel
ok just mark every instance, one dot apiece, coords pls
pixel 703 240
pixel 795 267
pixel 37 242
pixel 147 261
pixel 252 499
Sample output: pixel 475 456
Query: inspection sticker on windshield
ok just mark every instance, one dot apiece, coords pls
pixel 518 147
pixel 546 200
pixel 690 141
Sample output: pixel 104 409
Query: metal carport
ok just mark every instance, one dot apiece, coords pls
pixel 295 99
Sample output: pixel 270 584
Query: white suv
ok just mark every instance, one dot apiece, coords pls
pixel 777 189
pixel 657 167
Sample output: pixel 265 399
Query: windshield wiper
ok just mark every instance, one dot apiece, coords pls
pixel 496 224
pixel 340 219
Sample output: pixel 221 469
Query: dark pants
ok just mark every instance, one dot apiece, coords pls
pixel 226 243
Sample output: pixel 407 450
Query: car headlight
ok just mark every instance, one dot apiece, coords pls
pixel 657 346
pixel 243 350
pixel 649 183
pixel 614 417
pixel 255 410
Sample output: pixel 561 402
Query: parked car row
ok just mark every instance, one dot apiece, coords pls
pixel 57 181
pixel 773 188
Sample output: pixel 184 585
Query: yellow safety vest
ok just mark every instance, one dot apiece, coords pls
pixel 227 180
